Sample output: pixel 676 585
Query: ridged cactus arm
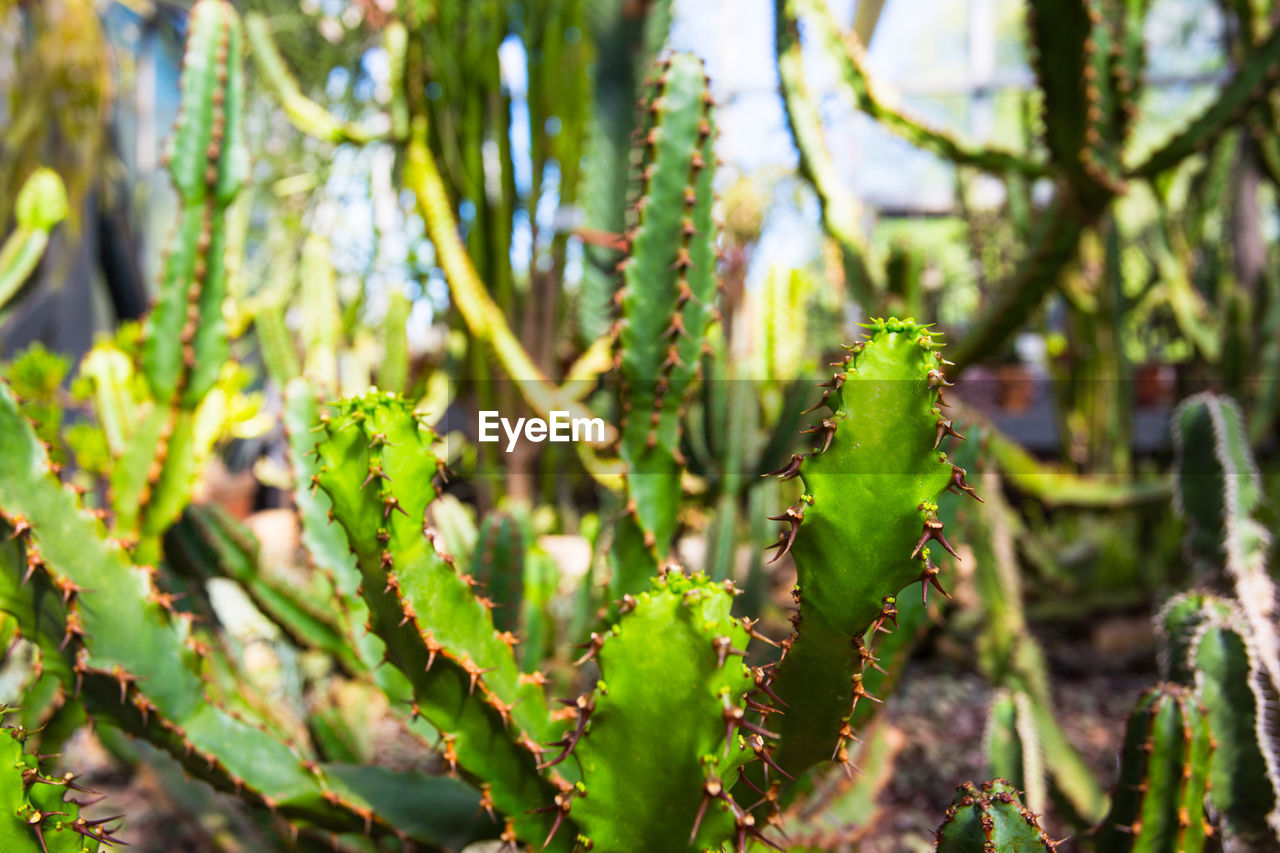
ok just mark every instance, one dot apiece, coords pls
pixel 1158 802
pixel 305 114
pixel 378 469
pixel 661 738
pixel 667 302
pixel 1012 745
pixel 136 662
pixel 990 818
pixel 41 204
pixel 849 56
pixel 1244 786
pixel 185 347
pixel 840 210
pixel 37 812
pixel 1205 645
pixel 1253 78
pixel 186 340
pixel 865 527
pixel 1218 490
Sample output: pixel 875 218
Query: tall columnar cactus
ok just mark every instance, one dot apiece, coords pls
pixel 378 469
pixel 669 286
pixel 185 345
pixel 37 813
pixel 865 527
pixel 1218 490
pixel 1205 646
pixel 990 818
pixel 1158 802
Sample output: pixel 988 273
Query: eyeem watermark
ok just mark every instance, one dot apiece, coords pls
pixel 561 428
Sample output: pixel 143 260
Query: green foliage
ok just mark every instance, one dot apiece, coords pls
pixel 41 204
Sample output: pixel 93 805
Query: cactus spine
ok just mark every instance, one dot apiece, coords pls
pixel 1158 803
pixel 865 527
pixel 669 286
pixel 36 813
pixel 988 819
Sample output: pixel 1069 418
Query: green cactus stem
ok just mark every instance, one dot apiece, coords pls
pixel 840 210
pixel 377 467
pixel 308 116
pixel 37 813
pixel 1013 747
pixel 849 56
pixel 41 204
pixel 865 527
pixel 1218 491
pixel 675 651
pixel 185 341
pixel 990 818
pixel 1255 76
pixel 1205 645
pixel 667 302
pixel 499 566
pixel 133 658
pixel 1158 803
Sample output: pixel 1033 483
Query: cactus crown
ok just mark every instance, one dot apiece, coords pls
pixel 989 818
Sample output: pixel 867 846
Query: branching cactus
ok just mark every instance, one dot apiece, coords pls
pixel 666 300
pixel 185 345
pixel 990 818
pixel 37 812
pixel 865 527
pixel 1158 802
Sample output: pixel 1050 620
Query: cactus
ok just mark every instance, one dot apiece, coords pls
pixel 185 341
pixel 669 287
pixel 1158 803
pixel 42 204
pixel 990 818
pixel 37 812
pixel 499 566
pixel 676 648
pixel 135 664
pixel 377 467
pixel 1205 646
pixel 1013 747
pixel 1218 491
pixel 861 531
